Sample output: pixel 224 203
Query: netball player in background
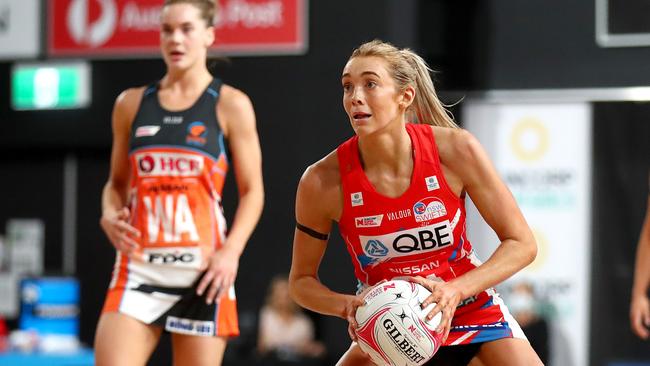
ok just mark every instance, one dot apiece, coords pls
pixel 640 305
pixel 397 190
pixel 175 267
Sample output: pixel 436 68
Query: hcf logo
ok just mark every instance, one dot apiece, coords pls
pixel 91 22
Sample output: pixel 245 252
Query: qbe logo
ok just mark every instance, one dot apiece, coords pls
pixel 408 242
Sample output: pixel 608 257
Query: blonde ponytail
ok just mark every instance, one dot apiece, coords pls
pixel 407 68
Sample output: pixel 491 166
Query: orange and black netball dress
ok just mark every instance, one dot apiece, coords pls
pixel 420 233
pixel 178 165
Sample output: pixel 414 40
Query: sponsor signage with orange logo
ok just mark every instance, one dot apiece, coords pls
pixel 130 28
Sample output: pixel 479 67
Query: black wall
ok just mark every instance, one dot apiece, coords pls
pixel 621 159
pixel 511 44
pixel 503 44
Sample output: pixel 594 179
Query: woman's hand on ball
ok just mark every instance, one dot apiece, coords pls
pixel 446 296
pixel 351 310
pixel 350 314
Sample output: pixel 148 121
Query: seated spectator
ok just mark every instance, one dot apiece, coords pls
pixel 524 306
pixel 285 332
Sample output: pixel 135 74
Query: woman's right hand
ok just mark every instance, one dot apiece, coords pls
pixel 640 316
pixel 115 224
pixel 350 314
pixel 351 309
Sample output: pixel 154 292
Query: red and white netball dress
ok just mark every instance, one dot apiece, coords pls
pixel 179 166
pixel 420 233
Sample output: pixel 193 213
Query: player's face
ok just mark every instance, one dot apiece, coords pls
pixel 370 95
pixel 184 36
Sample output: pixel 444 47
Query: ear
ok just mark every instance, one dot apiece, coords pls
pixel 209 37
pixel 407 97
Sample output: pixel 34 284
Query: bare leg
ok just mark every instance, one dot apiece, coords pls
pixel 354 357
pixel 124 341
pixel 198 351
pixel 507 352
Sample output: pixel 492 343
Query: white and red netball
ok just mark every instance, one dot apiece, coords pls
pixel 393 329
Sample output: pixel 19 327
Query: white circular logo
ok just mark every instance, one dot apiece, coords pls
pixel 529 139
pixel 96 33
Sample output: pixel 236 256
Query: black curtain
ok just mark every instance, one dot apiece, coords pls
pixel 621 163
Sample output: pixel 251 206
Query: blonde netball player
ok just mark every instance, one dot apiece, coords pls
pixel 397 190
pixel 173 143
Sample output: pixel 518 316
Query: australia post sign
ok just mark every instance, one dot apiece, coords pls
pixel 130 28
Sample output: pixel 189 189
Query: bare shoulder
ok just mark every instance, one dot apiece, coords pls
pixel 129 99
pixel 457 146
pixel 320 185
pixel 233 102
pixel 234 109
pixel 323 173
pixel 126 106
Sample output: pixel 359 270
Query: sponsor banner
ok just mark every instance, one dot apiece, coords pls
pixel 189 326
pixel 146 131
pixel 368 221
pixel 130 28
pixel 408 242
pixel 420 266
pixel 20 30
pixel 174 256
pixel 151 164
pixel 542 151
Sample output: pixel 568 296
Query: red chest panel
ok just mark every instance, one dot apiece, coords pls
pixel 422 232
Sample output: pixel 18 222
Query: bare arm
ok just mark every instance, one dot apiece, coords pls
pixel 317 202
pixel 470 170
pixel 236 111
pixel 640 305
pixel 247 160
pixel 115 214
pixel 499 209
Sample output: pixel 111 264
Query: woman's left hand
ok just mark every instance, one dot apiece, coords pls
pixel 446 296
pixel 220 274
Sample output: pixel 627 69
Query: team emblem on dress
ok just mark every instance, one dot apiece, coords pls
pixel 432 183
pixel 196 134
pixel 357 199
pixel 429 208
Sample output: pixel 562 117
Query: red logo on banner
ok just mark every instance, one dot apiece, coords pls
pixel 130 28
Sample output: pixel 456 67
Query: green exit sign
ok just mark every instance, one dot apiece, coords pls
pixel 50 86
